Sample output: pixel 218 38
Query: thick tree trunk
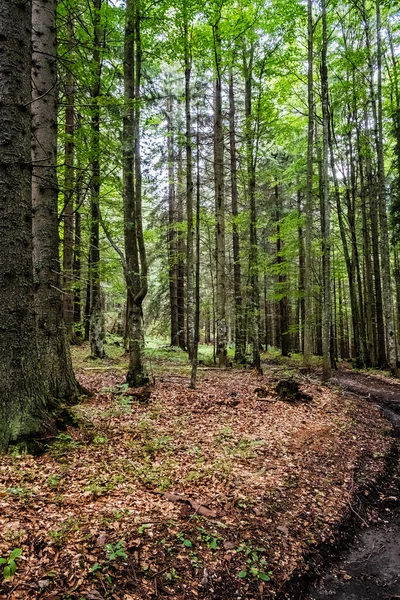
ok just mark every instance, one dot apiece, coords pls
pixel 23 396
pixel 96 331
pixel 219 205
pixel 135 267
pixel 53 345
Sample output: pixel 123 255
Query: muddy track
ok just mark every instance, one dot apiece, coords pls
pixel 370 568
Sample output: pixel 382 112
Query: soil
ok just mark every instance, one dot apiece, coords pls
pixel 370 568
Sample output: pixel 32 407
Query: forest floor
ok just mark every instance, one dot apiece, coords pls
pixel 225 492
pixel 369 569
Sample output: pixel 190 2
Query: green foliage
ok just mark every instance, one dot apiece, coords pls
pixel 63 445
pixel 9 564
pixel 256 565
pixel 115 551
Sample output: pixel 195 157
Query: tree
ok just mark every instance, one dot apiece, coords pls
pixel 24 413
pixel 136 262
pixel 97 333
pixel 53 344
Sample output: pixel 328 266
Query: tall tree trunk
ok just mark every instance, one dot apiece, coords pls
pixel 172 241
pixel 384 239
pixel 325 214
pixel 376 98
pixel 181 256
pixel 301 301
pixel 136 261
pixel 23 404
pixel 373 213
pixel 68 210
pixel 198 207
pixel 307 326
pixel 219 205
pixel 282 280
pixel 190 267
pixel 53 345
pixel 348 259
pixel 76 269
pixel 240 338
pixel 97 331
pixel 251 187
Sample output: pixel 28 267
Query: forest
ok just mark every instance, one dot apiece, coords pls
pixel 199 296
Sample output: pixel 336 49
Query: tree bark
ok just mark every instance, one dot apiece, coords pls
pixel 240 338
pixel 68 210
pixel 282 280
pixel 251 159
pixel 24 415
pixel 172 235
pixel 325 213
pixel 384 239
pixel 307 326
pixel 53 344
pixel 97 331
pixel 219 205
pixel 135 267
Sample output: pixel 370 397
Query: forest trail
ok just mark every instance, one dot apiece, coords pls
pixel 370 568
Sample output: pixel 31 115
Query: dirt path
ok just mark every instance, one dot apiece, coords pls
pixel 370 568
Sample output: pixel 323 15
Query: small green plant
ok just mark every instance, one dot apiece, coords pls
pixel 116 551
pixel 211 541
pixel 62 445
pixel 53 481
pixel 142 528
pixel 9 563
pixel 256 565
pixel 22 492
pixel 181 537
pixel 171 575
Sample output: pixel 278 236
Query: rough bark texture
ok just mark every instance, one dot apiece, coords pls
pixel 68 211
pixel 135 267
pixel 219 206
pixel 96 331
pixel 53 345
pixel 23 412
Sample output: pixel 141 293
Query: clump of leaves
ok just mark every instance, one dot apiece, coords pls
pixel 102 485
pixel 185 541
pixel 9 563
pixel 62 445
pixel 116 551
pixel 210 540
pixel 256 565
